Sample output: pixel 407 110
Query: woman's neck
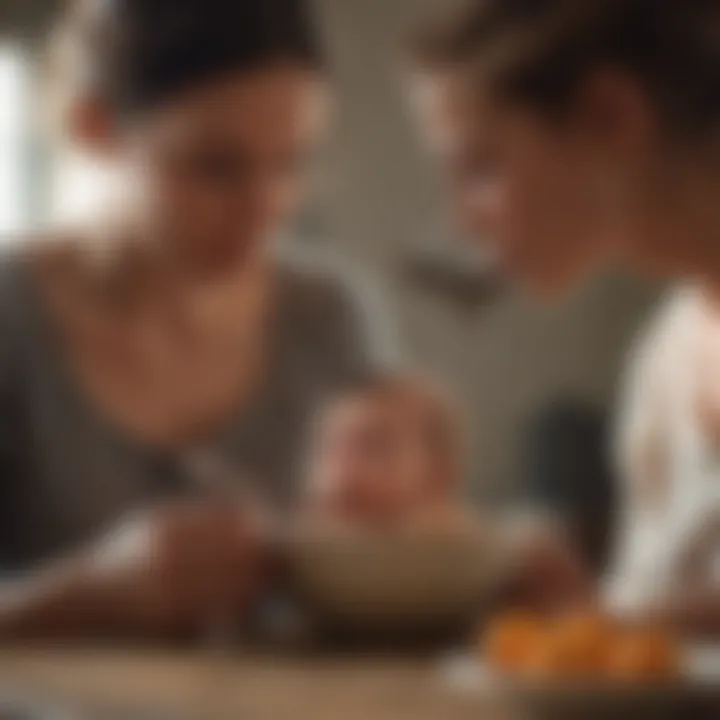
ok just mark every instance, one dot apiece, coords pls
pixel 127 262
pixel 128 274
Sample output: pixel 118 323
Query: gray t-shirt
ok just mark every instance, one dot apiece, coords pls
pixel 67 473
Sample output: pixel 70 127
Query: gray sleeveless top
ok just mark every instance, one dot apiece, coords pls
pixel 67 473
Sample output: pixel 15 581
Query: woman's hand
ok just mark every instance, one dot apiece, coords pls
pixel 166 573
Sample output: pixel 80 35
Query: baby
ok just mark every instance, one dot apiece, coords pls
pixel 387 454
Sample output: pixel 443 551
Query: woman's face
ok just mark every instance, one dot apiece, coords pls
pixel 551 200
pixel 216 172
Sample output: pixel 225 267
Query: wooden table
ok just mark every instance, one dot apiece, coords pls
pixel 120 686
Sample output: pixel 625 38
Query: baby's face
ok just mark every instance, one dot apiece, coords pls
pixel 381 457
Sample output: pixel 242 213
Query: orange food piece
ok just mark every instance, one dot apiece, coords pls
pixel 585 641
pixel 511 640
pixel 645 657
pixel 550 660
pixel 582 645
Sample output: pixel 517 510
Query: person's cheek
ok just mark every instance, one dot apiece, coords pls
pixel 406 477
pixel 356 482
pixel 170 197
pixel 525 222
pixel 557 222
pixel 208 208
pixel 478 209
pixel 183 211
pixel 542 242
pixel 228 220
pixel 285 195
pixel 335 485
pixel 260 208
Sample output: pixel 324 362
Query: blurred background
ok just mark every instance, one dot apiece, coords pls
pixel 521 369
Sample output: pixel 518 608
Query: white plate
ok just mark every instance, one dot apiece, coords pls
pixel 699 688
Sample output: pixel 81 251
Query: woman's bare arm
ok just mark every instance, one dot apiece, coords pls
pixel 161 575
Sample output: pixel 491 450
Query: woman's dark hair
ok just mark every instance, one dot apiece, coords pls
pixel 540 51
pixel 135 53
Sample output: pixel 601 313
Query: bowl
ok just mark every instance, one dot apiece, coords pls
pixel 395 583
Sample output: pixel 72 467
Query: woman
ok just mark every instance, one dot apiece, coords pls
pixel 169 328
pixel 583 133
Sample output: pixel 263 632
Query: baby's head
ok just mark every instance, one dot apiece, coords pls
pixel 384 449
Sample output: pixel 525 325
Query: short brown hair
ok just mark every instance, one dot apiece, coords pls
pixel 539 51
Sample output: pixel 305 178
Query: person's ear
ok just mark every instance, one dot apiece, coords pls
pixel 615 115
pixel 618 138
pixel 91 126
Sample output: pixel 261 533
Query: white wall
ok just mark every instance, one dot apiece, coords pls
pixel 506 359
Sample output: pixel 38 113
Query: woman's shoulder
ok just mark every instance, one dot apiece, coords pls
pixel 678 306
pixel 663 339
pixel 325 290
pixel 657 365
pixel 336 301
pixel 317 279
